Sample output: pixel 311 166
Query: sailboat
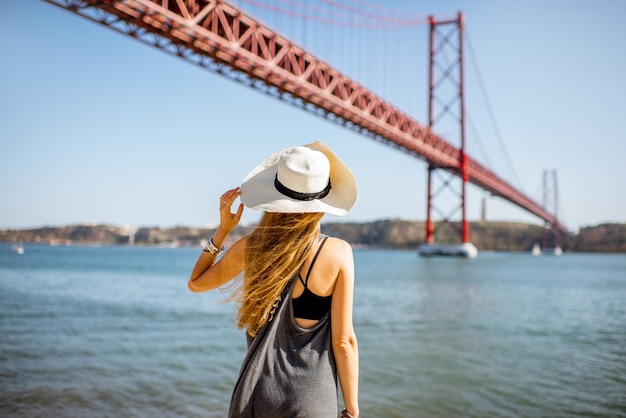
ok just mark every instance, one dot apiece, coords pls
pixel 536 250
pixel 17 248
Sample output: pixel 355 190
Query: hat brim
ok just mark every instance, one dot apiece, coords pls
pixel 258 191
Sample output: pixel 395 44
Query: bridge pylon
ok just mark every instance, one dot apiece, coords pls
pixel 446 113
pixel 551 203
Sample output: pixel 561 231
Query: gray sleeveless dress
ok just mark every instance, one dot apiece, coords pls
pixel 289 371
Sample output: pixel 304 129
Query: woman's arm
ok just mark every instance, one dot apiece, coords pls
pixel 220 273
pixel 344 341
pixel 208 275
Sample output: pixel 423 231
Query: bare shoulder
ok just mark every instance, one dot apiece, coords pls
pixel 338 249
pixel 335 261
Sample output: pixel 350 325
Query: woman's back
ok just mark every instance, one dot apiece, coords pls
pixel 299 378
pixel 319 274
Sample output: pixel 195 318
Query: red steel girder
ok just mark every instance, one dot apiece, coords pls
pixel 220 32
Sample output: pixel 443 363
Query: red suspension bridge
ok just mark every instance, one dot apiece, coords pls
pixel 221 38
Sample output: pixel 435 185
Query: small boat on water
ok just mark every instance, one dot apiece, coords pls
pixel 536 250
pixel 17 248
pixel 465 250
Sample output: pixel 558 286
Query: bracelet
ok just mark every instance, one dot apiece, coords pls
pixel 211 248
pixel 346 414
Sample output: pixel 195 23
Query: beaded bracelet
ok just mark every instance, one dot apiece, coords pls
pixel 211 248
pixel 346 414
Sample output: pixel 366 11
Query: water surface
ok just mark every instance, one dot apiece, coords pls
pixel 113 331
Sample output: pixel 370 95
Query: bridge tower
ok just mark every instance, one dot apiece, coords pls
pixel 446 114
pixel 551 203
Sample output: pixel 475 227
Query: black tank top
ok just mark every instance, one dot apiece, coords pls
pixel 309 305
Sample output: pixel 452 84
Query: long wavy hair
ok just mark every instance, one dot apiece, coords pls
pixel 276 249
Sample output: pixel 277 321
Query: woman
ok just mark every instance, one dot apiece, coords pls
pixel 295 301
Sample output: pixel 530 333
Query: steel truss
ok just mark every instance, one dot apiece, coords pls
pixel 219 37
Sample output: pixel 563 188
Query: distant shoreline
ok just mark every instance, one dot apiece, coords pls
pixel 393 234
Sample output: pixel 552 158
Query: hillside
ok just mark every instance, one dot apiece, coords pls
pixel 396 234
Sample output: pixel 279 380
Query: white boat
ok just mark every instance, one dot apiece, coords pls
pixel 17 248
pixel 466 249
pixel 536 250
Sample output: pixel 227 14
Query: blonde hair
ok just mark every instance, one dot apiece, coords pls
pixel 276 249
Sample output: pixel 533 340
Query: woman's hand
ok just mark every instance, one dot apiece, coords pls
pixel 229 220
pixel 208 274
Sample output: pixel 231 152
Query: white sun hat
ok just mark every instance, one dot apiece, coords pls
pixel 307 178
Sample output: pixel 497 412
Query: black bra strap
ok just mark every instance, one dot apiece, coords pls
pixel 301 280
pixel 308 273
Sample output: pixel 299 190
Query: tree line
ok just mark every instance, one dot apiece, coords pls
pixel 392 234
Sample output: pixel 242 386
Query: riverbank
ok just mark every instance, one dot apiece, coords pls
pixel 393 234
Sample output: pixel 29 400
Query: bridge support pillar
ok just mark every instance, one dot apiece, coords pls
pixel 551 202
pixel 430 226
pixel 450 114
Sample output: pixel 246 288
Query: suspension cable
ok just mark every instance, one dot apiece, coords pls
pixel 366 19
pixel 490 111
pixel 478 141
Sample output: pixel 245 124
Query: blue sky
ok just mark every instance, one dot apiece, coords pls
pixel 97 127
